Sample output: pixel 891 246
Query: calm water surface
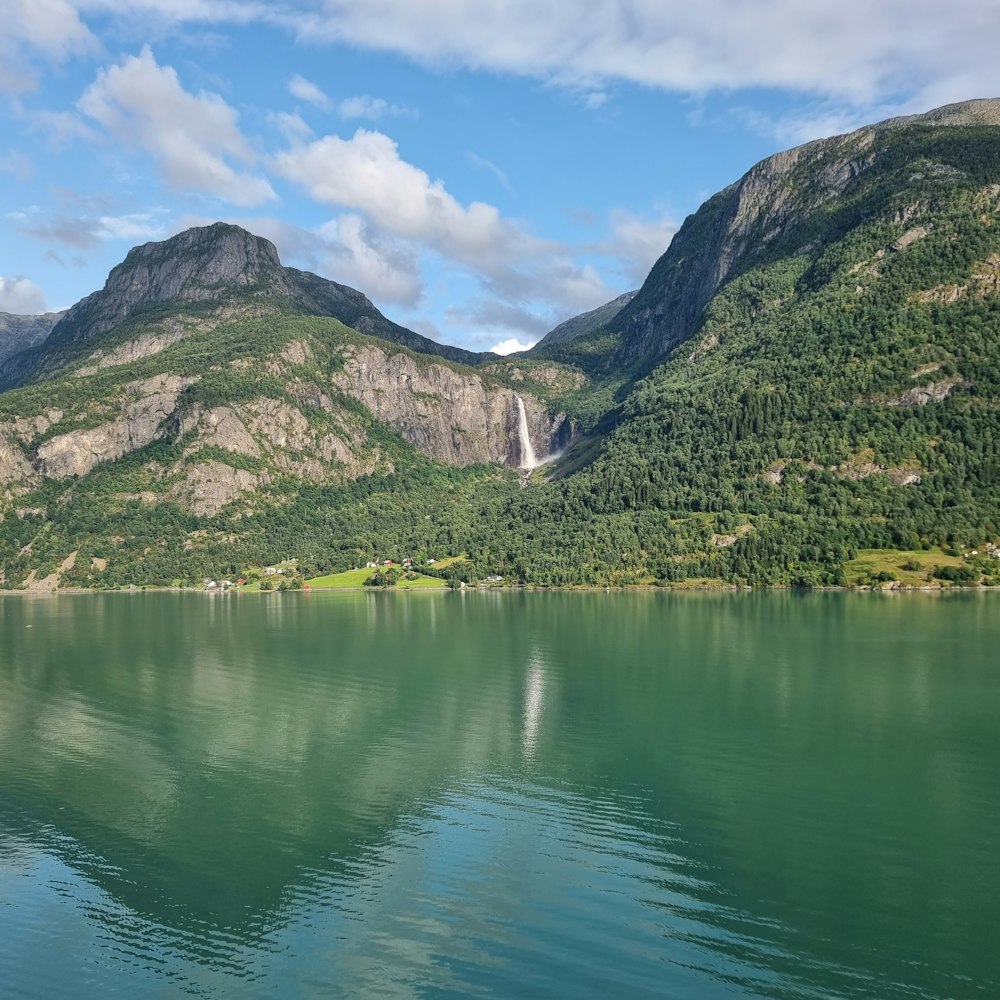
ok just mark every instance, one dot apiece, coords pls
pixel 585 795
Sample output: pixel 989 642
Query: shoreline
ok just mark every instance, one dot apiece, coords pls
pixel 528 588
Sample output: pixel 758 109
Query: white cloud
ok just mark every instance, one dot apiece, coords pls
pixel 306 90
pixel 360 256
pixel 637 242
pixel 191 136
pixel 480 161
pixel 87 231
pixel 292 126
pixel 21 296
pixel 497 315
pixel 849 49
pixel 511 346
pixel 51 29
pixel 366 174
pixel 62 127
pixel 136 226
pixel 372 108
pixel 345 249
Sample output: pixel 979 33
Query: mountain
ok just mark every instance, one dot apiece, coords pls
pixel 20 333
pixel 785 206
pixel 818 354
pixel 209 270
pixel 206 385
pixel 803 392
pixel 588 322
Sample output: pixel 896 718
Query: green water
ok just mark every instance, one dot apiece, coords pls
pixel 581 795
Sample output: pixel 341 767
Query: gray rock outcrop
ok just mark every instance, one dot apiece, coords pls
pixel 453 417
pixel 19 333
pixel 145 417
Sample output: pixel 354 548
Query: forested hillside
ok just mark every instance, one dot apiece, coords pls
pixel 838 393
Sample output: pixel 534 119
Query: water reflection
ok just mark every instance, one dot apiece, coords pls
pixel 534 697
pixel 515 794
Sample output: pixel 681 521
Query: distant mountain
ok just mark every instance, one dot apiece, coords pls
pixel 213 268
pixel 20 333
pixel 588 322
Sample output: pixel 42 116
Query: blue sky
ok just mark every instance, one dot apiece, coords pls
pixel 482 170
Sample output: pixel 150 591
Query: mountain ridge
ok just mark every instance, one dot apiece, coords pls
pixel 742 222
pixel 208 266
pixel 809 375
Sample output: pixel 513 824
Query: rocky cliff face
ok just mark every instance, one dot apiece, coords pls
pixel 20 333
pixel 144 415
pixel 453 417
pixel 226 450
pixel 767 209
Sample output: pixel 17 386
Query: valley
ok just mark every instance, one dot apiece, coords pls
pixel 808 374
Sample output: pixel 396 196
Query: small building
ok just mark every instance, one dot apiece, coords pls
pixel 371 565
pixel 388 562
pixel 271 570
pixel 407 563
pixel 430 562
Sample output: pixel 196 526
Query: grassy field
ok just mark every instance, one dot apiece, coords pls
pixel 871 562
pixel 357 577
pixel 448 560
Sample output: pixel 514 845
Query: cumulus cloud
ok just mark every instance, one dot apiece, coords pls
pixel 366 175
pixel 191 136
pixel 306 90
pixel 511 346
pixel 21 296
pixel 361 256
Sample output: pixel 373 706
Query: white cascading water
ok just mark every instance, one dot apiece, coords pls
pixel 528 460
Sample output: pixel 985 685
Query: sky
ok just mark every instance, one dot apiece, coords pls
pixel 481 169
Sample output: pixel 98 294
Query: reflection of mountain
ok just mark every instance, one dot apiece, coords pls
pixel 267 741
pixel 226 767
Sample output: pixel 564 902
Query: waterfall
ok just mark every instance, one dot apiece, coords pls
pixel 528 460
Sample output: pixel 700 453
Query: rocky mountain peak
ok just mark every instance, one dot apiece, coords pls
pixel 198 265
pixel 194 263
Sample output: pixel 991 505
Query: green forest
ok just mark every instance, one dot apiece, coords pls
pixel 839 394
